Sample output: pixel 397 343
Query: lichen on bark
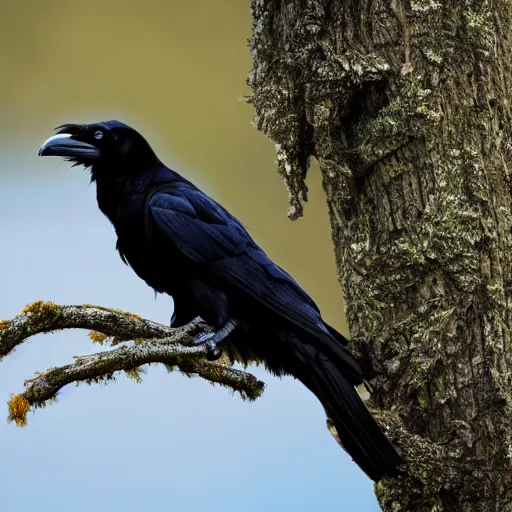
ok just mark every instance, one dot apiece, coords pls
pixel 405 106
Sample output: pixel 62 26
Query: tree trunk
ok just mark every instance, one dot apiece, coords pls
pixel 405 106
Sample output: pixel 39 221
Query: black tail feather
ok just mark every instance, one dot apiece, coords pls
pixel 331 377
pixel 359 433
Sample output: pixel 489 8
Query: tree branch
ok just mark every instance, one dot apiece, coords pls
pixel 154 343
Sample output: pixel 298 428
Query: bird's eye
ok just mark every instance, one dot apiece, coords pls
pixel 98 135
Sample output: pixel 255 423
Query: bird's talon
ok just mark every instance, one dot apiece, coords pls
pixel 213 352
pixel 213 339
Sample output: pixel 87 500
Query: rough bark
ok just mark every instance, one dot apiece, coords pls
pixel 405 106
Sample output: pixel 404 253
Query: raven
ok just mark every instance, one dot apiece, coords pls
pixel 183 243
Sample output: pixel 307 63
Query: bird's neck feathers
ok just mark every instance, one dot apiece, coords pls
pixel 128 161
pixel 116 182
pixel 111 174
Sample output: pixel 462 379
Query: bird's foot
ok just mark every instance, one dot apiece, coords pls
pixel 213 339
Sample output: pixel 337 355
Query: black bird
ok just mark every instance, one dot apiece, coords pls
pixel 183 243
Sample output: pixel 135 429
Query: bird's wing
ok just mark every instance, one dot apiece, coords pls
pixel 206 233
pixel 198 226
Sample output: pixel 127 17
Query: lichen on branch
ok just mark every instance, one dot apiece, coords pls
pixel 154 343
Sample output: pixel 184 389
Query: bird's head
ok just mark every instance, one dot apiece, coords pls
pixel 109 145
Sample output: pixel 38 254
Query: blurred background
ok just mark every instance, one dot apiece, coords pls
pixel 175 71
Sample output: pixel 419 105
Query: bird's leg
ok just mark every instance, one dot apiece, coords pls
pixel 214 338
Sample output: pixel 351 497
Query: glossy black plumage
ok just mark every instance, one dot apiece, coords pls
pixel 183 243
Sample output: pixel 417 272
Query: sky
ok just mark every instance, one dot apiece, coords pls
pixel 176 73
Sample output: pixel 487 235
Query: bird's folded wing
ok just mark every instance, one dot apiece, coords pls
pixel 206 233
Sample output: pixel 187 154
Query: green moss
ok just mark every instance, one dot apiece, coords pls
pixel 45 403
pixel 423 397
pixel 98 337
pixel 18 408
pixel 480 29
pixel 411 113
pixel 136 374
pixel 40 308
pixel 391 171
pixel 101 379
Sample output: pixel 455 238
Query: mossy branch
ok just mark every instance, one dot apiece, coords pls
pixel 154 343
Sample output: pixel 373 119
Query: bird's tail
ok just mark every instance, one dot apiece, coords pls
pixel 330 372
pixel 359 433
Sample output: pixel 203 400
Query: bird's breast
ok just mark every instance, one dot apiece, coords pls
pixel 153 258
pixel 159 267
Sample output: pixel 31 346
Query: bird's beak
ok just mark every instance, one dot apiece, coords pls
pixel 63 144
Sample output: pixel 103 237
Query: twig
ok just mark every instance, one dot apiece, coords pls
pixel 157 343
pixel 43 317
